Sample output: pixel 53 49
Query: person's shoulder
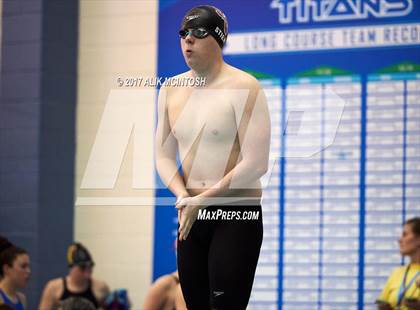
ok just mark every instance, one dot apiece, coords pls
pixel 100 289
pixel 400 268
pixel 398 271
pixel 165 281
pixel 22 298
pixel 99 284
pixel 241 78
pixel 54 288
pixel 55 284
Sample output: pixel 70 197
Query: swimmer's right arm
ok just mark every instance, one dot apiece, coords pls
pixel 48 297
pixel 165 150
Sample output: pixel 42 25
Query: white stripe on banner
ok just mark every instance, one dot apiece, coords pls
pixel 323 39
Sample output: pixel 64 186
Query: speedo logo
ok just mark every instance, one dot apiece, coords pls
pixel 188 18
pixel 220 33
pixel 218 293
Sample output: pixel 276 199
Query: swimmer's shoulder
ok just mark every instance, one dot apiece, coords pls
pixel 21 297
pixel 100 289
pixel 240 79
pixel 52 293
pixel 160 293
pixel 55 287
pixel 169 89
pixel 165 282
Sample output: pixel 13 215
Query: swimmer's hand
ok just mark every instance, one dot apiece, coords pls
pixel 188 208
pixel 178 199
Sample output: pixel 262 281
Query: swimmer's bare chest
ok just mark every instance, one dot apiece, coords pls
pixel 203 121
pixel 205 124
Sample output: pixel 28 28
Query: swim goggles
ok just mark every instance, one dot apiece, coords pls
pixel 199 33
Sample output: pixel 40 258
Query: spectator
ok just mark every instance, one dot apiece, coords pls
pixel 402 289
pixel 78 290
pixel 165 293
pixel 14 275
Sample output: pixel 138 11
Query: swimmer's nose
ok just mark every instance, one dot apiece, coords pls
pixel 189 39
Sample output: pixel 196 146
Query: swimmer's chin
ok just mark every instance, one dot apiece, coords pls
pixel 189 61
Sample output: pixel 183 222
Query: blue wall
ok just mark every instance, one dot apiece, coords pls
pixel 37 133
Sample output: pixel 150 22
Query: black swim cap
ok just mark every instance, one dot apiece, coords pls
pixel 78 255
pixel 210 18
